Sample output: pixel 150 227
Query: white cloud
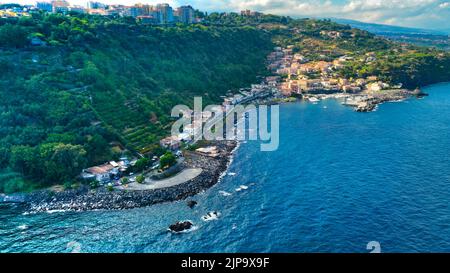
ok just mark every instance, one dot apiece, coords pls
pixel 412 13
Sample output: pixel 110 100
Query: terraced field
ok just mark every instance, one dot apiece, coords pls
pixel 128 120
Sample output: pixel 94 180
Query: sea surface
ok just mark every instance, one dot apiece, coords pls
pixel 338 181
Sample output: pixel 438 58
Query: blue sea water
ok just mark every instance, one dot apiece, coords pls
pixel 339 180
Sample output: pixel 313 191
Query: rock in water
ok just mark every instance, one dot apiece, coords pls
pixel 191 204
pixel 180 226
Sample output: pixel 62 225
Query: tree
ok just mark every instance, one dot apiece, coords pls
pixel 141 164
pixel 94 184
pixel 97 148
pixel 90 74
pixel 140 179
pixel 167 160
pixel 4 157
pixel 78 59
pixel 13 36
pixel 69 159
pixel 23 159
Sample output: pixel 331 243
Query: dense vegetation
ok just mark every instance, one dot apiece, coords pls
pixel 101 86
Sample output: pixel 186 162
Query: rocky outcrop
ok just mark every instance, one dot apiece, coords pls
pixel 180 226
pixel 86 199
pixel 369 104
pixel 191 204
pixel 365 106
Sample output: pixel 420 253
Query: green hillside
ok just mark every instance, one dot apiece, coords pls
pixel 103 85
pixel 101 80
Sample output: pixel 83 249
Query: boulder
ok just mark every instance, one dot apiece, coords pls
pixel 191 203
pixel 180 226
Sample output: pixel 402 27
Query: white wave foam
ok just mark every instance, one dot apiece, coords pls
pixel 224 193
pixel 56 211
pixel 22 227
pixel 211 216
pixel 242 187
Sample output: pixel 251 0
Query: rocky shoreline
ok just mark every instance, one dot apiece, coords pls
pixel 84 198
pixel 367 101
pixel 371 103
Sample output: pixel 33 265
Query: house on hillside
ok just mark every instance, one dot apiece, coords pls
pixel 377 86
pixel 172 143
pixel 104 173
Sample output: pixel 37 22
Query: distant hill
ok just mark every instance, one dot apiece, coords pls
pixel 421 37
pixel 381 29
pixel 445 30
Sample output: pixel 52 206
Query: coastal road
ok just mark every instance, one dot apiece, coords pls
pixel 182 177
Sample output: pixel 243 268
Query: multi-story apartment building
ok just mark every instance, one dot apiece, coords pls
pixel 185 14
pixel 165 13
pixel 45 6
pixel 60 6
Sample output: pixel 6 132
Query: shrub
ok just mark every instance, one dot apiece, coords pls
pixel 140 179
pixel 167 160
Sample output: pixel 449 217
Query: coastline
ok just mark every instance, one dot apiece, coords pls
pixel 85 199
pixel 360 102
pixel 244 211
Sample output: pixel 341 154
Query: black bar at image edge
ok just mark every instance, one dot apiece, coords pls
pixel 219 262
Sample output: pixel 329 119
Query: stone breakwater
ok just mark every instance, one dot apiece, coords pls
pixel 86 199
pixel 367 101
pixel 370 104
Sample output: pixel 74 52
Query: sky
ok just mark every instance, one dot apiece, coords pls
pixel 430 14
